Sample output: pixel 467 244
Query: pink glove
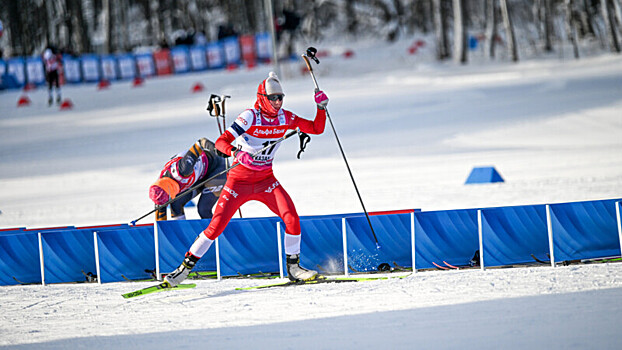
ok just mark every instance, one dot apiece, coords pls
pixel 158 195
pixel 246 159
pixel 321 99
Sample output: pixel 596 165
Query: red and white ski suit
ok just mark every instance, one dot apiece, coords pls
pixel 252 130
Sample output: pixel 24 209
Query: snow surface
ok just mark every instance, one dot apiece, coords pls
pixel 412 131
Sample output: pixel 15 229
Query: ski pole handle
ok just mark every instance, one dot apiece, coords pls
pixel 306 58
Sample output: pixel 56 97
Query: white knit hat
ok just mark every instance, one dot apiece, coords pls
pixel 273 85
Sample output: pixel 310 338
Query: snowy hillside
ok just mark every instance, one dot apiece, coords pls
pixel 412 133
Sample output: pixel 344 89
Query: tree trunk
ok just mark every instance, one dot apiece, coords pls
pixel 509 30
pixel 571 29
pixel 617 5
pixel 352 22
pixel 52 36
pixel 491 30
pixel 610 27
pixel 548 26
pixel 442 48
pixel 587 18
pixel 156 32
pixel 460 32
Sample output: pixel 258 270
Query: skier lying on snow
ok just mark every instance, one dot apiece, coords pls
pixel 253 130
pixel 182 172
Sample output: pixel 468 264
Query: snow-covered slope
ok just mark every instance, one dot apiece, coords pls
pixel 412 133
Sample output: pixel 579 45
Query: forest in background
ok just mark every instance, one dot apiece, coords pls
pixel 518 27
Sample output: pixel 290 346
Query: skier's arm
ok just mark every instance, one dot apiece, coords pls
pixel 185 166
pixel 314 127
pixel 224 144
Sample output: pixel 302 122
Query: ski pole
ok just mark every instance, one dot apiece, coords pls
pixel 310 54
pixel 216 108
pixel 198 185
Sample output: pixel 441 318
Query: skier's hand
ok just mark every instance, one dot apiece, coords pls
pixel 163 189
pixel 243 157
pixel 321 99
pixel 158 195
pixel 247 159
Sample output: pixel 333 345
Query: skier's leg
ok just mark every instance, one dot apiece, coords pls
pixel 48 77
pixel 228 203
pixel 280 203
pixel 177 207
pixel 57 85
pixel 206 203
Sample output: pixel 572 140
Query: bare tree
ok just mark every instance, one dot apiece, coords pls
pixel 548 25
pixel 460 32
pixel 491 29
pixel 440 29
pixel 610 25
pixel 509 30
pixel 571 29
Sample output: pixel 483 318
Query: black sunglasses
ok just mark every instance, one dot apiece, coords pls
pixel 275 97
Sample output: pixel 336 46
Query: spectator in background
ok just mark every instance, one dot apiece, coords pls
pixel 52 61
pixel 286 28
pixel 226 30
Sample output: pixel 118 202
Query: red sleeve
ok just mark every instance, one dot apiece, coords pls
pixel 223 143
pixel 314 127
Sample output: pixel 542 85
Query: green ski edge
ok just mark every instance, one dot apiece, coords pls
pixel 322 279
pixel 157 288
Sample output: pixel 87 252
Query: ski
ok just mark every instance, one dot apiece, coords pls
pixel 439 266
pixel 321 279
pixel 157 288
pixel 450 265
pixel 540 260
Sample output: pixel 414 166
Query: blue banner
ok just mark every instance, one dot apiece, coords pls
pixel 180 56
pixel 145 64
pixel 71 69
pixel 16 68
pixel 198 57
pixel 263 45
pixel 215 55
pixel 35 71
pixel 109 67
pixel 127 66
pixel 232 51
pixel 90 68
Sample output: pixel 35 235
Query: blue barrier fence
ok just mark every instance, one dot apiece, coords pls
pixel 126 253
pixel 585 230
pixel 511 235
pixel 249 246
pixel 19 258
pixel 89 68
pixel 393 232
pixel 445 236
pixel 439 239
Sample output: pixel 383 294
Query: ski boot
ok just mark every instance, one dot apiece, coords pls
pixel 297 273
pixel 181 273
pixel 50 100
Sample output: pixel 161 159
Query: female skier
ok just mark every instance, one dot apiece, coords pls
pixel 253 130
pixel 185 169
